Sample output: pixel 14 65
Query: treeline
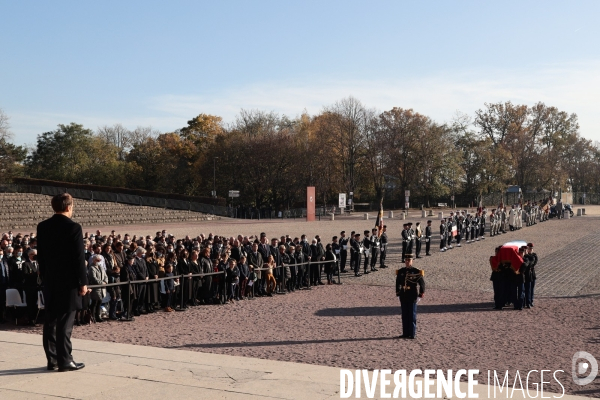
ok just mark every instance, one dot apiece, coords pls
pixel 347 147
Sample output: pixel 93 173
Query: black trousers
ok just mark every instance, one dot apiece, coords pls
pixel 374 253
pixel 418 247
pixel 427 244
pixel 382 253
pixel 56 336
pixel 343 257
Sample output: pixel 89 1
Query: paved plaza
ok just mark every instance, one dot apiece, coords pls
pixel 352 325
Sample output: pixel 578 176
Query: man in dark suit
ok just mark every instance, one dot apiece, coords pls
pixel 64 276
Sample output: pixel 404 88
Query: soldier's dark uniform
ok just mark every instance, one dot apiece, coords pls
pixel 407 280
pixel 427 238
pixel 343 252
pixel 443 234
pixel 411 239
pixel 383 240
pixel 366 253
pixel 355 253
pixel 374 249
pixel 530 277
pixel 404 240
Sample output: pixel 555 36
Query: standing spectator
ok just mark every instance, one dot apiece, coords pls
pixel 3 284
pixel 232 279
pixel 30 275
pixel 113 271
pixel 97 276
pixel 244 272
pixel 141 274
pixel 64 276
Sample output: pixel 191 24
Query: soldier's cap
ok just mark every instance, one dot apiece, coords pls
pixel 342 232
pixel 262 234
pixel 530 245
pixel 429 221
pixel 334 238
pixel 366 231
pixel 409 224
pixel 356 234
pixel 408 257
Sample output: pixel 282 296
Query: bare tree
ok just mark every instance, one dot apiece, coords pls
pixel 142 133
pixel 5 133
pixel 116 135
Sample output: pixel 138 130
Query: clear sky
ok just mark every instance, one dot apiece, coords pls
pixel 161 63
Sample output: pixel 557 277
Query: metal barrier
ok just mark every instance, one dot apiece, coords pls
pixel 183 277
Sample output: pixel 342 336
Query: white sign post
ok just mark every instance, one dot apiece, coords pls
pixel 234 193
pixel 342 201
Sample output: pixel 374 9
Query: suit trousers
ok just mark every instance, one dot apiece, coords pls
pixel 427 245
pixel 343 257
pixel 56 336
pixel 382 256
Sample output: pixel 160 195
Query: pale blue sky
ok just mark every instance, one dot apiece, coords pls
pixel 161 63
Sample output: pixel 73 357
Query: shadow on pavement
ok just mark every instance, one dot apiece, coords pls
pixel 277 343
pixel 24 371
pixel 395 310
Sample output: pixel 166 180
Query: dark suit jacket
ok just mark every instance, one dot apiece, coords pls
pixel 61 262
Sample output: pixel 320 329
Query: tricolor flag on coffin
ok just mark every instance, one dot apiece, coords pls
pixel 379 222
pixel 509 253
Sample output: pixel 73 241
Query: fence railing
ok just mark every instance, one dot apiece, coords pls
pixel 121 198
pixel 221 289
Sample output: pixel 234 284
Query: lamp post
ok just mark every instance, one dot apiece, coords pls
pixel 214 193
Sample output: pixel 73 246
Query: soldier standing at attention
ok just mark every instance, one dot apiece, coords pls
pixel 407 280
pixel 404 240
pixel 343 251
pixel 374 248
pixel 383 240
pixel 532 259
pixel 428 238
pixel 366 243
pixel 442 235
pixel 418 236
pixel 411 236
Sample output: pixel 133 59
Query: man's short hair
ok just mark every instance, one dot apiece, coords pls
pixel 61 202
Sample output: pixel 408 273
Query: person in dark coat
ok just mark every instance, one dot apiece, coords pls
pixel 187 286
pixel 141 274
pixel 30 275
pixel 152 297
pixel 113 271
pixel 206 268
pixel 64 276
pixel 128 292
pixel 330 265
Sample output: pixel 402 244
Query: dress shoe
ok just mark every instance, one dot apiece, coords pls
pixel 72 366
pixel 98 319
pixel 52 366
pixel 410 337
pixel 366 272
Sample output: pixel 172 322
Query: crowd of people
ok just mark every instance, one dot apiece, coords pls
pixel 233 269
